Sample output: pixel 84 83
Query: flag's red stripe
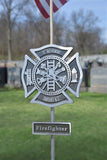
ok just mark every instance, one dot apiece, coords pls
pixel 48 1
pixel 63 1
pixel 42 10
pixel 54 6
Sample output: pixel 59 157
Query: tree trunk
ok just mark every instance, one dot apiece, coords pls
pixel 9 45
pixel 9 38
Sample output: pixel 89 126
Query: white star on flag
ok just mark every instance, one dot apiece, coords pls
pixel 44 6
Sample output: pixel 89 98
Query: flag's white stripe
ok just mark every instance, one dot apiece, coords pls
pixel 45 6
pixel 58 3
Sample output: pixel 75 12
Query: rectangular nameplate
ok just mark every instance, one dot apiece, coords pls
pixel 51 128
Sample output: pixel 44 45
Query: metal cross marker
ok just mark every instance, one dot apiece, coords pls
pixel 52 74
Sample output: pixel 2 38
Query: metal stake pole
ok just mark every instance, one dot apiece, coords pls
pixel 52 108
pixel 52 137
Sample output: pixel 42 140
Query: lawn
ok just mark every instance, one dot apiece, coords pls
pixel 88 116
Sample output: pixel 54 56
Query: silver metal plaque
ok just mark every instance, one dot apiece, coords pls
pixel 52 73
pixel 51 128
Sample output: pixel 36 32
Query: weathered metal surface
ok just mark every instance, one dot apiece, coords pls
pixel 51 128
pixel 52 74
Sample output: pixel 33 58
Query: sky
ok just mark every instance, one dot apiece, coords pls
pixel 99 7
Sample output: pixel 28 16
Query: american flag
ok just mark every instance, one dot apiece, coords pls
pixel 44 6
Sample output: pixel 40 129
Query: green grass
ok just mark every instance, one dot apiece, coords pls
pixel 88 116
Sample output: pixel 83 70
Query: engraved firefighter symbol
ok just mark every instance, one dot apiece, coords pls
pixel 48 75
pixel 52 73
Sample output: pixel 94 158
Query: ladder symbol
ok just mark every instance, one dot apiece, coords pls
pixel 50 64
pixel 50 84
pixel 50 80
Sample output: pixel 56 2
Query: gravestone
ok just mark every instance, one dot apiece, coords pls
pixel 98 80
pixel 13 75
pixel 3 76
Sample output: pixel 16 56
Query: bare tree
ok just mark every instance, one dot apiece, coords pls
pixel 11 9
pixel 30 30
pixel 85 33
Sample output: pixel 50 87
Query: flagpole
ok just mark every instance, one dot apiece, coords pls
pixel 51 21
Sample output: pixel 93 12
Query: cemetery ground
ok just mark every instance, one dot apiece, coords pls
pixel 88 117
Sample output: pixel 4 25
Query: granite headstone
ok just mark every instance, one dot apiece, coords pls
pixel 14 79
pixel 98 80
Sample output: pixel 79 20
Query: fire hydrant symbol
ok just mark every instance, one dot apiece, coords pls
pixel 52 74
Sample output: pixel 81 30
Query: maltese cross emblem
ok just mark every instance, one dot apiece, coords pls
pixel 51 73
